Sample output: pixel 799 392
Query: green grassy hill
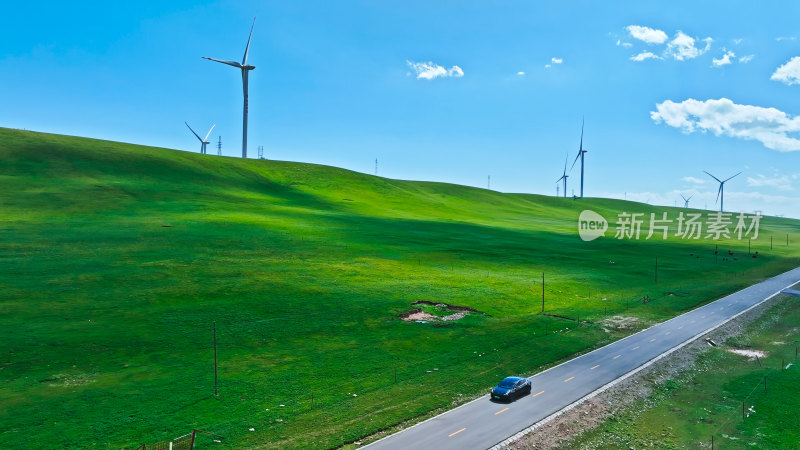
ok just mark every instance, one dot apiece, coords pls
pixel 116 260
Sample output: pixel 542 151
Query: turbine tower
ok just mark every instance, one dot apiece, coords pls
pixel 245 70
pixel 564 177
pixel 581 152
pixel 721 191
pixel 686 200
pixel 203 141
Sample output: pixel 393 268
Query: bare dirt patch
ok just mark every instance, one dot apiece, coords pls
pixel 417 314
pixel 751 354
pixel 621 322
pixel 436 312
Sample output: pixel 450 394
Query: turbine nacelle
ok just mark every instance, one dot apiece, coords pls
pixel 244 67
pixel 203 141
pixel 721 190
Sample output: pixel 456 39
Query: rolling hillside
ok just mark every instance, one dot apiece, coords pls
pixel 117 260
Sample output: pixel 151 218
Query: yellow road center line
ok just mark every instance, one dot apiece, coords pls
pixel 595 367
pixel 617 356
pixel 568 379
pixel 538 393
pixel 501 411
pixel 459 431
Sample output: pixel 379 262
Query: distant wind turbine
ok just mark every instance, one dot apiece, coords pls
pixel 721 191
pixel 581 152
pixel 203 141
pixel 564 176
pixel 686 200
pixel 245 70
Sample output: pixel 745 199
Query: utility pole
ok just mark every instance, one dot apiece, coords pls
pixel 489 186
pixel 376 167
pixel 216 393
pixel 656 269
pixel 219 146
pixel 542 292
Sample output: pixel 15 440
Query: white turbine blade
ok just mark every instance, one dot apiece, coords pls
pixel 690 197
pixel 712 176
pixel 190 129
pixel 247 48
pixel 209 132
pixel 230 63
pixel 576 160
pixel 734 176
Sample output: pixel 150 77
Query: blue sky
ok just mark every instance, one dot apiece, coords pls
pixel 345 82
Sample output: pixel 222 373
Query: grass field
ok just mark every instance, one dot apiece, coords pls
pixel 685 412
pixel 116 261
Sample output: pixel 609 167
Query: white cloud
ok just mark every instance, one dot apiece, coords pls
pixel 786 38
pixel 788 73
pixel 782 182
pixel 694 180
pixel 520 73
pixel 724 61
pixel 647 34
pixel 682 47
pixel 737 41
pixel 556 60
pixel 623 44
pixel 644 55
pixel 769 126
pixel 429 70
pixel 547 66
pixel 746 59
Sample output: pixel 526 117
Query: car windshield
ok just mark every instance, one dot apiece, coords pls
pixel 507 383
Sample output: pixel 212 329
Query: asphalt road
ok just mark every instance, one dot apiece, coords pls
pixel 482 423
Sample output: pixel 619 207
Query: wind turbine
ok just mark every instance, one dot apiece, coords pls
pixel 721 191
pixel 245 70
pixel 686 200
pixel 581 152
pixel 203 141
pixel 564 176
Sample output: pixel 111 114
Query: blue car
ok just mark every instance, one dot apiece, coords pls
pixel 511 388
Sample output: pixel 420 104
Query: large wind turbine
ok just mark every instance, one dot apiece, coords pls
pixel 245 69
pixel 581 152
pixel 203 141
pixel 564 176
pixel 721 191
pixel 686 200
